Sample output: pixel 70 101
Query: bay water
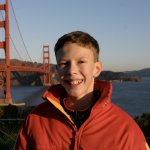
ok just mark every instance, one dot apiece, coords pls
pixel 133 97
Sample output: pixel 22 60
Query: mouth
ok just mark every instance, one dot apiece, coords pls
pixel 75 82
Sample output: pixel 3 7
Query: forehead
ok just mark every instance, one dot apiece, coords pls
pixel 73 51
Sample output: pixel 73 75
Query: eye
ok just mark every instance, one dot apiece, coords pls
pixel 82 61
pixel 62 64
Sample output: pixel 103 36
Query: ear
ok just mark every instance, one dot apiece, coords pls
pixel 98 68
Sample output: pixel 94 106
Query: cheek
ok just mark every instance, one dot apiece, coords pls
pixel 60 71
pixel 87 72
pixel 60 74
pixel 89 68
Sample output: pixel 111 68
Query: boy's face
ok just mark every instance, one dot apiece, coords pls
pixel 77 70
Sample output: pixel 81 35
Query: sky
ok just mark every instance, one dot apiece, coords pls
pixel 121 27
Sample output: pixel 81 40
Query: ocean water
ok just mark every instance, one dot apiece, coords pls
pixel 133 97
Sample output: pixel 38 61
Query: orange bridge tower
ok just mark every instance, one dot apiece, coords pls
pixel 46 65
pixel 6 46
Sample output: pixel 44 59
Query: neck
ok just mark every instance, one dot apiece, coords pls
pixel 81 104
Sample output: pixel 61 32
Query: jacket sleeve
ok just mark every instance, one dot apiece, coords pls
pixel 137 139
pixel 22 142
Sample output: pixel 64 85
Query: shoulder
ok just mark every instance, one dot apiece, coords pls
pixel 41 111
pixel 43 106
pixel 126 123
pixel 123 127
pixel 122 116
pixel 119 112
pixel 44 109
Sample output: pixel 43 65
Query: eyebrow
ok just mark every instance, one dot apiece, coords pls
pixel 62 59
pixel 85 57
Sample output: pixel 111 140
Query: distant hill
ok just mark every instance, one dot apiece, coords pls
pixel 141 73
pixel 110 75
pixel 118 76
pixel 32 78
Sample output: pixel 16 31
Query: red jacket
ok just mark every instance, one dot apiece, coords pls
pixel 49 127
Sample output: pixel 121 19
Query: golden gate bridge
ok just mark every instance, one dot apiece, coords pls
pixel 6 67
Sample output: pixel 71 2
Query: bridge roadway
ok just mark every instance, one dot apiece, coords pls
pixel 22 68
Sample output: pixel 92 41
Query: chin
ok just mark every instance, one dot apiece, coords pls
pixel 73 94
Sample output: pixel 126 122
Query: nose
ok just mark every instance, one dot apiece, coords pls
pixel 72 68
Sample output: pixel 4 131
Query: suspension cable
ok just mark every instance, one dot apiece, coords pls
pixel 15 48
pixel 20 32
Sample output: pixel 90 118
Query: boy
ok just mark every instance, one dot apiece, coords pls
pixel 78 113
